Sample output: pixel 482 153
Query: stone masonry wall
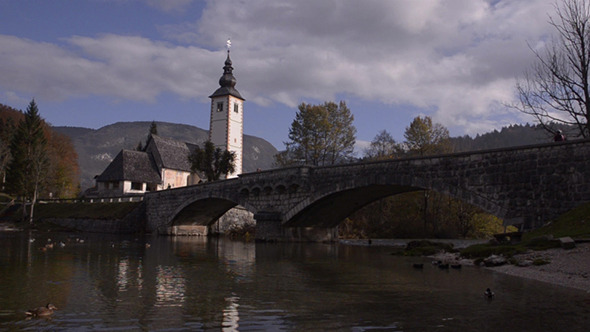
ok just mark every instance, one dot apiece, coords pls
pixel 524 185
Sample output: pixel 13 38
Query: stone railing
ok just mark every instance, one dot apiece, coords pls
pixel 115 199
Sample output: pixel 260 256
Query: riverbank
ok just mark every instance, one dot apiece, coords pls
pixel 564 267
pixel 567 268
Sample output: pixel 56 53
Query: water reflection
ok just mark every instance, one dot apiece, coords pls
pixel 231 316
pixel 191 283
pixel 122 274
pixel 170 287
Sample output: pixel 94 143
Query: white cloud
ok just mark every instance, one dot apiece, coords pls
pixel 459 59
pixel 456 58
pixel 124 67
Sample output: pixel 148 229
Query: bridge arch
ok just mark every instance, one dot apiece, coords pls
pixel 205 210
pixel 525 185
pixel 329 205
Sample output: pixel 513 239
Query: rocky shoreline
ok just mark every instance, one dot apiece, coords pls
pixel 564 267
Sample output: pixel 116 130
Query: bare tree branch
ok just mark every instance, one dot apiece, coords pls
pixel 557 87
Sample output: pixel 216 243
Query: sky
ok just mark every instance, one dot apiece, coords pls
pixel 91 63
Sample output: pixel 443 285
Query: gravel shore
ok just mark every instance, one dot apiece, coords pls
pixel 568 268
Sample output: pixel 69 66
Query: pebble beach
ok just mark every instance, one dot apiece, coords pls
pixel 566 267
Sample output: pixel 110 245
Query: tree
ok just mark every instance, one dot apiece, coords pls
pixel 153 128
pixel 212 161
pixel 557 89
pixel 320 135
pixel 383 146
pixel 63 171
pixel 425 138
pixel 29 158
pixel 7 129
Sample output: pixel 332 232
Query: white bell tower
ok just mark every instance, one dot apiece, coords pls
pixel 226 129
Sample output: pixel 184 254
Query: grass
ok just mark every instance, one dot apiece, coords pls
pixel 85 210
pixel 575 224
pixel 98 211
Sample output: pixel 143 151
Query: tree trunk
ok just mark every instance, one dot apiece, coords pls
pixel 33 204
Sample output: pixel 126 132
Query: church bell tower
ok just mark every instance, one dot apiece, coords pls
pixel 226 129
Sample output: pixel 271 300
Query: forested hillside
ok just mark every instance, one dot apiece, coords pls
pixel 513 135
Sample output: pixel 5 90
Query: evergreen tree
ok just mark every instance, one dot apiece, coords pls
pixel 29 158
pixel 212 161
pixel 7 129
pixel 153 128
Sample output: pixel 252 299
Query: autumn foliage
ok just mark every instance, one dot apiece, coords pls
pixel 62 178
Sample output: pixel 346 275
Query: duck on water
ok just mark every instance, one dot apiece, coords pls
pixel 41 311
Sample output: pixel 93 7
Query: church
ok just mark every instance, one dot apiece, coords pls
pixel 163 163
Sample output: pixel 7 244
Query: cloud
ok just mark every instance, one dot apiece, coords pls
pixel 124 67
pixel 457 60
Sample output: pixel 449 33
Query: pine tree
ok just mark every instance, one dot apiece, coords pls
pixel 7 129
pixel 153 128
pixel 29 158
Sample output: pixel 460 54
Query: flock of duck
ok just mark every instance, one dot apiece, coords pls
pixel 440 264
pixel 47 310
pixel 51 245
pixel 444 266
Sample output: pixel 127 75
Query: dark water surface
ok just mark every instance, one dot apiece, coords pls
pixel 193 284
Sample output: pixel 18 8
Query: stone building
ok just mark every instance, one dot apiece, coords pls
pixel 162 164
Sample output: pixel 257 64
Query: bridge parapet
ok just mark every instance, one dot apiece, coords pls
pixel 526 185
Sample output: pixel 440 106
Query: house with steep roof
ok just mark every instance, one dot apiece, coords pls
pixel 162 164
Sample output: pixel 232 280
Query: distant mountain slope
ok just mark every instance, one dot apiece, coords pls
pixel 514 135
pixel 96 148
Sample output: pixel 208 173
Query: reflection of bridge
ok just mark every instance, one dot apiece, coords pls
pixel 525 185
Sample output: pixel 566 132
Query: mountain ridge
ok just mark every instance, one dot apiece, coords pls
pixel 96 148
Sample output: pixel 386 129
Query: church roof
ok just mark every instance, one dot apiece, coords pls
pixel 130 165
pixel 227 82
pixel 169 153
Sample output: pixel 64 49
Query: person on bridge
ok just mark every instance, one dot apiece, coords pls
pixel 559 137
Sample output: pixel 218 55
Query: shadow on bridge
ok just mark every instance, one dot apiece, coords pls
pixel 525 186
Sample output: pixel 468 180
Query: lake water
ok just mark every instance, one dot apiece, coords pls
pixel 102 282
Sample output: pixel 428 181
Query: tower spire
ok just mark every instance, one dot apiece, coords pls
pixel 227 82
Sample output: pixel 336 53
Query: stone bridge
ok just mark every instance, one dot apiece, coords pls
pixel 525 186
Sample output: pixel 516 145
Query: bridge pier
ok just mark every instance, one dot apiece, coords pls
pixel 269 228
